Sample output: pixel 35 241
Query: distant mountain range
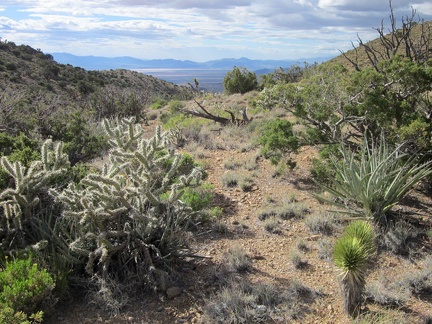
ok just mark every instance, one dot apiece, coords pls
pixel 131 63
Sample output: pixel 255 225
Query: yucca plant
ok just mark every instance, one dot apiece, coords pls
pixel 351 255
pixel 371 181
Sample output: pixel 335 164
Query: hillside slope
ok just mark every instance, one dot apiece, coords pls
pixel 419 38
pixel 32 81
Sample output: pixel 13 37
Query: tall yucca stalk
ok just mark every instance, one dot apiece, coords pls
pixel 370 182
pixel 351 255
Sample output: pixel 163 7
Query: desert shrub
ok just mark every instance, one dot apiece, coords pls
pixel 302 246
pixel 158 103
pixel 271 225
pixel 289 210
pixel 239 80
pixel 386 316
pixel 237 260
pixel 400 238
pixel 24 288
pixel 230 179
pixel 245 302
pixel 198 198
pixel 419 281
pixel 370 182
pixel 387 291
pixel 231 164
pixel 175 105
pixel 321 223
pixel 81 139
pixel 126 227
pixel 215 212
pixel 297 261
pixel 277 138
pixel 325 249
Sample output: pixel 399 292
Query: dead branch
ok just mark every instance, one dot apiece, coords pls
pixel 218 119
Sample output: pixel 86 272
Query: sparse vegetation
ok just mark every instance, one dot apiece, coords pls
pixel 145 220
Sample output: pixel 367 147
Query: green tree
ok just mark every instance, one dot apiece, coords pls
pixel 240 80
pixel 390 93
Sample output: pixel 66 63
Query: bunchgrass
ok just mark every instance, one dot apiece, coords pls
pixel 321 223
pixel 237 260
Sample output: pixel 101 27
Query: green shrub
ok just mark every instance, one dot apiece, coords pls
pixel 198 198
pixel 24 288
pixel 277 138
pixel 240 80
pixel 158 103
pixel 175 105
pixel 9 316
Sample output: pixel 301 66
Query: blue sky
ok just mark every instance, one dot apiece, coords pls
pixel 199 30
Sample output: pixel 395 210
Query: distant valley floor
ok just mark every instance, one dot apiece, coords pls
pixel 209 79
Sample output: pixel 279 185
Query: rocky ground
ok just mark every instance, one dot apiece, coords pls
pixel 270 246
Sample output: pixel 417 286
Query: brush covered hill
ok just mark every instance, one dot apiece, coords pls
pixel 412 41
pixel 41 98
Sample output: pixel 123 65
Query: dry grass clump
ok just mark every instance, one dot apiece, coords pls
pixel 321 223
pixel 419 282
pixel 401 238
pixel 385 291
pixel 231 164
pixel 246 302
pixel 297 261
pixel 272 225
pixel 231 179
pixel 237 259
pixel 285 210
pixel 388 316
pixel 325 249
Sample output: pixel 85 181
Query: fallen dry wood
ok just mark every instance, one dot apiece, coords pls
pixel 222 120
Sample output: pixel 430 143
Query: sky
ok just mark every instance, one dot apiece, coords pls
pixel 199 30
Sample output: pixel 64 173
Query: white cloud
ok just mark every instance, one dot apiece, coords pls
pixel 196 28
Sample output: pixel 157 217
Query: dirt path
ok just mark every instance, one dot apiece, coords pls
pixel 270 253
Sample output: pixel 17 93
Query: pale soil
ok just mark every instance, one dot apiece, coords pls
pixel 270 253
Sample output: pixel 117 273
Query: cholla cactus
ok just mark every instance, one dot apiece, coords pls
pixel 19 202
pixel 129 214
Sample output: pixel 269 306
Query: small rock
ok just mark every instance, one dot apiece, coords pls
pixel 173 292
